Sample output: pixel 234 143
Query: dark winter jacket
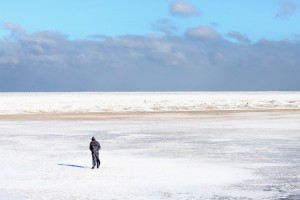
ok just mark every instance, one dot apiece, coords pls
pixel 95 146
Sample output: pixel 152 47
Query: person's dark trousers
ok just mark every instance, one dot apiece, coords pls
pixel 96 160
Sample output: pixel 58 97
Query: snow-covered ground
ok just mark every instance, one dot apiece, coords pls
pixel 207 155
pixel 14 103
pixel 234 156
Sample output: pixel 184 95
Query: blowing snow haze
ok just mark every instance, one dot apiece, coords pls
pixel 183 49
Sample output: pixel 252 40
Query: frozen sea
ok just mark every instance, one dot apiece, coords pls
pixel 230 155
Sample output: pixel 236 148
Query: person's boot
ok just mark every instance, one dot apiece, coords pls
pixel 98 164
pixel 93 167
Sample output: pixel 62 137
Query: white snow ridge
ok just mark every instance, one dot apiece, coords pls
pixel 12 103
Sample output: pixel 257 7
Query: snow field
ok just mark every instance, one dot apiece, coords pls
pixel 217 157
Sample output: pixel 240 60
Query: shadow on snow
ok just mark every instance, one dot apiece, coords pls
pixel 69 165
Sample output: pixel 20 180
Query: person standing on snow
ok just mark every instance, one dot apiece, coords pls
pixel 95 147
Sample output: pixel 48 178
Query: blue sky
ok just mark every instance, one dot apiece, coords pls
pixel 149 45
pixel 80 19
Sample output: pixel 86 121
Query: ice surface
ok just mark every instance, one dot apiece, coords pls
pixel 210 156
pixel 240 156
pixel 12 103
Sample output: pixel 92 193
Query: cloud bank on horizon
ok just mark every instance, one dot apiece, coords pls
pixel 202 58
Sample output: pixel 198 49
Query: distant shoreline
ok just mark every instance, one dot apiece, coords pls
pixel 140 115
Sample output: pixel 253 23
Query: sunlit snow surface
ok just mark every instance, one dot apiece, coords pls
pixel 207 156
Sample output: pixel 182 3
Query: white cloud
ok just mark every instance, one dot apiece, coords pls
pixel 287 9
pixel 13 27
pixel 203 32
pixel 240 37
pixel 165 26
pixel 183 9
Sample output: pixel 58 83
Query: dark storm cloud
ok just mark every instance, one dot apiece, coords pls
pixel 200 60
pixel 287 9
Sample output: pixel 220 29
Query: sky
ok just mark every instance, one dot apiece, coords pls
pixel 149 45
